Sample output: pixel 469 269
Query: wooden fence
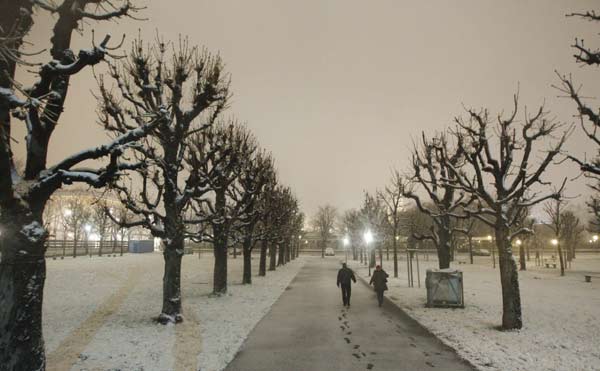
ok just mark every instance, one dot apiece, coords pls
pixel 62 248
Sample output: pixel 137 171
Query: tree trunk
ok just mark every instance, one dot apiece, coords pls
pixel 272 256
pixel 100 246
pixel 395 257
pixel 561 259
pixel 262 264
pixel 323 243
pixel 281 254
pixel 220 269
pixel 22 276
pixel 509 279
pixel 372 258
pixel 471 249
pixel 522 261
pixel 171 308
pixel 247 253
pixel 443 248
pixel 74 246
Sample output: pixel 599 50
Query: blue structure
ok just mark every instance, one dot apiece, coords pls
pixel 141 246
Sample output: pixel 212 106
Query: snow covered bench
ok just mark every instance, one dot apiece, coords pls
pixel 550 264
pixel 588 277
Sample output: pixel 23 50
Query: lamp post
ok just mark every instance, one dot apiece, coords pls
pixel 368 236
pixel 346 241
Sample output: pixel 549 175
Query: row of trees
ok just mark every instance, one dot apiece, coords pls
pixel 178 168
pixel 489 169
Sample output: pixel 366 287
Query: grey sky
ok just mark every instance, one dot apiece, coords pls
pixel 337 90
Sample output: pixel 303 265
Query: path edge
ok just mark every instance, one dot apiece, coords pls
pixel 420 325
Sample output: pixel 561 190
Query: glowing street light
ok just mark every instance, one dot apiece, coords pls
pixel 67 213
pixel 346 242
pixel 595 237
pixel 518 242
pixel 489 237
pixel 368 236
pixel 554 242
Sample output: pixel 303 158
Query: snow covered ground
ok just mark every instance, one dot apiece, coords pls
pixel 98 313
pixel 561 316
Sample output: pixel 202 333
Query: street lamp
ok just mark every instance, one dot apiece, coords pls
pixel 554 242
pixel 595 238
pixel 346 241
pixel 518 242
pixel 368 236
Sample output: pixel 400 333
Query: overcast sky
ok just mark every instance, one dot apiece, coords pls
pixel 338 90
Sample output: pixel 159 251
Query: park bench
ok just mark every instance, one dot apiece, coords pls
pixel 588 277
pixel 550 264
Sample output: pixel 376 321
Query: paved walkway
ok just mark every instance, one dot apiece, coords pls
pixel 308 329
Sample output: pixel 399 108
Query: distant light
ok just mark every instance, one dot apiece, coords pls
pixel 368 237
pixel 554 241
pixel 489 237
pixel 87 228
pixel 595 237
pixel 68 212
pixel 397 238
pixel 346 241
pixel 299 236
pixel 518 242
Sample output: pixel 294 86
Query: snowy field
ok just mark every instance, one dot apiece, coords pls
pixel 98 313
pixel 561 316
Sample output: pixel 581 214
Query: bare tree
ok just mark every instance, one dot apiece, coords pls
pixel 572 233
pixel 351 224
pixel 373 218
pixel 500 156
pixel 589 117
pixel 392 197
pixel 554 209
pixel 102 222
pixel 184 91
pixel 267 206
pixel 76 216
pixel 23 198
pixel 218 158
pixel 257 173
pixel 324 222
pixel 432 173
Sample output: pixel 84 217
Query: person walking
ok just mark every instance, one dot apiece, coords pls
pixel 344 278
pixel 379 281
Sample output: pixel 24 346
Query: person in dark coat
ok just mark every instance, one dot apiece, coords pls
pixel 379 281
pixel 344 278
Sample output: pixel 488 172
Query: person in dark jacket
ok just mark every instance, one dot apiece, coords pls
pixel 344 278
pixel 379 281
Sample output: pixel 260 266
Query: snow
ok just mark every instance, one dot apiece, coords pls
pixel 34 232
pixel 561 316
pixel 98 313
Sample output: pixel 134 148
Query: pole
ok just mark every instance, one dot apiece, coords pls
pixel 418 272
pixel 369 260
pixel 407 268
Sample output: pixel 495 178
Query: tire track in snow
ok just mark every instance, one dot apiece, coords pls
pixel 67 353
